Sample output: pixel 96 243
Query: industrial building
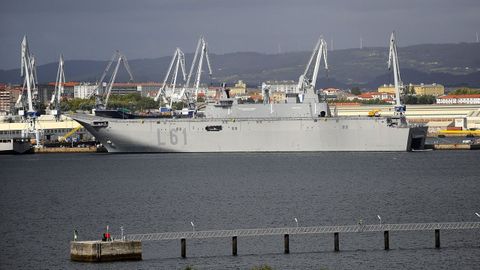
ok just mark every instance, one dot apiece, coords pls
pixel 49 128
pixel 416 89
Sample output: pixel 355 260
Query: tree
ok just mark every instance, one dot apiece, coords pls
pixel 465 91
pixel 356 91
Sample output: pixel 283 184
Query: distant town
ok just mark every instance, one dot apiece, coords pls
pixel 139 96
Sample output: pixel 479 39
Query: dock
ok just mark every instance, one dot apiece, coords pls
pixel 46 150
pixel 105 251
pixel 131 246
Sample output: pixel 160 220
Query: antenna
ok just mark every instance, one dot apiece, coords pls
pixel 361 42
pixel 476 33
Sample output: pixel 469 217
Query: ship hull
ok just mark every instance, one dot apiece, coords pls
pixel 253 135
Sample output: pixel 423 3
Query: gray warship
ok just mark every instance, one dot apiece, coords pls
pixel 304 123
pixel 230 127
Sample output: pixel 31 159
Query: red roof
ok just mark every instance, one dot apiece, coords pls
pixel 67 84
pixel 365 95
pixel 346 103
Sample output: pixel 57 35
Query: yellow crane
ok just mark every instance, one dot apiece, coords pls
pixel 70 133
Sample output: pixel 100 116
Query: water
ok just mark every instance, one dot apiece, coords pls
pixel 44 197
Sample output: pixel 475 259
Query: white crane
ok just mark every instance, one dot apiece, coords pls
pixel 59 86
pixel 202 49
pixel 178 60
pixel 119 58
pixel 393 62
pixel 29 75
pixel 306 82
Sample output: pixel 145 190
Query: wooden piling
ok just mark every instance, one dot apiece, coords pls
pixel 437 238
pixel 386 239
pixel 234 246
pixel 336 242
pixel 286 243
pixel 183 243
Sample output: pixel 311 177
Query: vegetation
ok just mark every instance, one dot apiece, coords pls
pixel 262 267
pixel 133 102
pixel 423 99
pixel 369 102
pixel 465 91
pixel 356 91
pixel 178 105
pixel 77 104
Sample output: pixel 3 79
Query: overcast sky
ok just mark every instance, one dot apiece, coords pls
pixel 93 29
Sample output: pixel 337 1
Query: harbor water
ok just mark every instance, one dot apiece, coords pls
pixel 43 198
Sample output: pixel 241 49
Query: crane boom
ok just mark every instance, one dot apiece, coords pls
pixel 393 62
pixel 27 71
pixel 178 60
pixel 319 52
pixel 112 80
pixel 118 58
pixel 202 51
pixel 99 83
pixel 59 84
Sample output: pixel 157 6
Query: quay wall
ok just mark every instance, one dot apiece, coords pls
pixel 100 251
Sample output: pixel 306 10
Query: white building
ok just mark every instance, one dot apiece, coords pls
pixel 459 99
pixel 281 86
pixel 83 90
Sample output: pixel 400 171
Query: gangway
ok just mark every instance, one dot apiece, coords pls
pixel 304 230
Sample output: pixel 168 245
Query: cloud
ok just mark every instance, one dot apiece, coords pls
pixel 90 29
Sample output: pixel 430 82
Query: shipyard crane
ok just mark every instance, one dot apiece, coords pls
pixel 200 53
pixel 178 60
pixel 119 58
pixel 393 62
pixel 28 101
pixel 29 75
pixel 59 86
pixel 305 81
pixel 99 83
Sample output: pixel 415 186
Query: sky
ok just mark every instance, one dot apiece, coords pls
pixel 93 29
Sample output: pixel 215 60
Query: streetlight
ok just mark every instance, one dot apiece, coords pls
pixel 380 219
pixel 296 221
pixel 193 225
pixel 478 215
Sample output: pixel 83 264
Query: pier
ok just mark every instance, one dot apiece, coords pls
pixel 104 251
pixel 286 232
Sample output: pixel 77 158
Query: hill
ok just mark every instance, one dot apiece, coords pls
pixel 448 64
